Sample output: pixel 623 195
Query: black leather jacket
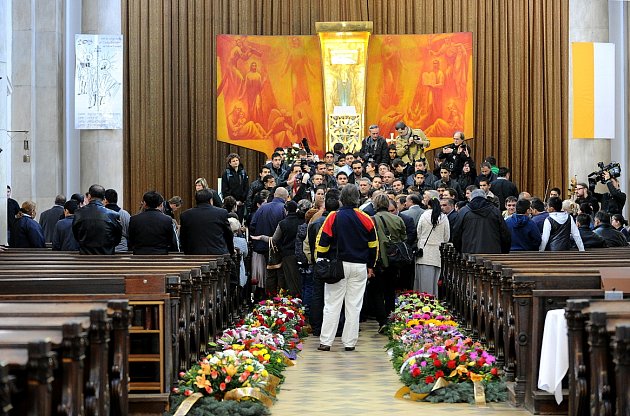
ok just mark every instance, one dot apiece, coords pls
pixel 612 237
pixel 97 229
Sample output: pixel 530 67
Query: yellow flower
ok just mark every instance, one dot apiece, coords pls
pixel 250 368
pixel 475 377
pixel 205 368
pixel 264 373
pixel 426 309
pixel 238 347
pixel 266 357
pixel 201 382
pixel 460 370
pixel 230 370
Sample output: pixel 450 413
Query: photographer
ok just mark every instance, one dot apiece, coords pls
pixel 374 147
pixel 454 155
pixel 612 201
pixel 410 143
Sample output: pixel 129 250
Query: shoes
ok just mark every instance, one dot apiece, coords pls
pixel 349 348
pixel 323 347
pixel 382 329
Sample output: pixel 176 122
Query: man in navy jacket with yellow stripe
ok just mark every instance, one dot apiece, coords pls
pixel 348 234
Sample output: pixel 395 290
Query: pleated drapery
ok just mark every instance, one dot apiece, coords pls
pixel 520 73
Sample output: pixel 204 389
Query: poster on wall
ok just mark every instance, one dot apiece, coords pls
pixel 424 81
pixel 269 92
pixel 98 82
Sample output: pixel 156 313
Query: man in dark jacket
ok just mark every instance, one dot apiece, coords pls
pixel 264 223
pixel 97 229
pixel 480 228
pixel 374 146
pixel 606 231
pixel 589 238
pixel 48 219
pixel 235 183
pixel 152 231
pixel 63 239
pixel 613 200
pixel 286 234
pixel 205 229
pixel 502 187
pixel 525 234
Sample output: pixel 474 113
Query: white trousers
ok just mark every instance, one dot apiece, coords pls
pixel 349 290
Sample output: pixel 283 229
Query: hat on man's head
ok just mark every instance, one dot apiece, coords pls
pixel 400 125
pixel 476 193
pixel 234 224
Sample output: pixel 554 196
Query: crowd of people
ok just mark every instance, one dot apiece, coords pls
pixel 351 205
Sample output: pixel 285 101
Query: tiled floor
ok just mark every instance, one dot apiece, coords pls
pixel 362 382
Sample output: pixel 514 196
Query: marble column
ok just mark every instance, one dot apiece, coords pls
pixel 102 150
pixel 5 147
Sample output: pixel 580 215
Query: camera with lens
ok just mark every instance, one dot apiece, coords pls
pixel 613 169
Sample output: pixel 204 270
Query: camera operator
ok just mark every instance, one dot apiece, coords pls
pixel 584 196
pixel 455 155
pixel 612 201
pixel 410 143
pixel 374 146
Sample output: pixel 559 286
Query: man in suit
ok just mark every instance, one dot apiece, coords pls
pixel 205 228
pixel 414 210
pixel 63 239
pixel 48 219
pixel 448 207
pixel 152 231
pixel 97 229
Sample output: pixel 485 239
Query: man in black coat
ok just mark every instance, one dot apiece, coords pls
pixel 97 229
pixel 205 229
pixel 612 237
pixel 152 231
pixel 480 228
pixel 48 219
pixel 374 146
pixel 502 187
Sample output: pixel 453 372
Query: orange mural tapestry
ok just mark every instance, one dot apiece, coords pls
pixel 269 91
pixel 423 80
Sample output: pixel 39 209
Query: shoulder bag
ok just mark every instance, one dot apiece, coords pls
pixel 274 260
pixel 399 254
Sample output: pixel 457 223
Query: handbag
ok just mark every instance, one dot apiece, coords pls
pixel 399 253
pixel 329 270
pixel 274 260
pixel 420 250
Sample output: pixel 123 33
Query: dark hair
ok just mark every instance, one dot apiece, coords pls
pixel 436 211
pixel 275 154
pixel 71 206
pixel 522 205
pixel 60 199
pixel 96 191
pixel 77 197
pixel 337 147
pixel 503 171
pixel 586 208
pixel 333 193
pixel 331 204
pixel 231 156
pixel 229 203
pixel 261 197
pixel 619 217
pixel 342 173
pixel 537 204
pixel 400 125
pixel 203 196
pixel 555 203
pixel 492 160
pixel 583 219
pixel 112 196
pixel 152 199
pixel 461 204
pixel 291 206
pixel 557 190
pixel 603 217
pixel 266 178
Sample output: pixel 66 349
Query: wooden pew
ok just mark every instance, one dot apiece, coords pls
pixel 493 295
pixel 595 382
pixel 71 327
pixel 26 377
pixel 198 301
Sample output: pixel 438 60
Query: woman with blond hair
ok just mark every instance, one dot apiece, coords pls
pixel 433 230
pixel 26 232
pixel 202 183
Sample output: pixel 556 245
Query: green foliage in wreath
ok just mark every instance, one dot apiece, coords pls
pixel 209 406
pixel 496 391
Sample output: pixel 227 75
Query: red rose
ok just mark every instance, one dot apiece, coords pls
pixel 494 371
pixel 429 380
pixel 279 321
pixel 187 393
pixel 437 363
pixel 439 374
pixel 481 361
pixel 433 356
pixel 451 364
pixel 415 372
pixel 463 358
pixel 283 328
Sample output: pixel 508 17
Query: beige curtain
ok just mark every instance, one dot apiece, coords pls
pixel 520 71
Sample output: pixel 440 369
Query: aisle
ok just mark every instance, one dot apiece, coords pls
pixel 362 382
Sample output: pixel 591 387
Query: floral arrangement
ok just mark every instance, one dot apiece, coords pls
pixel 429 351
pixel 221 372
pixel 251 359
